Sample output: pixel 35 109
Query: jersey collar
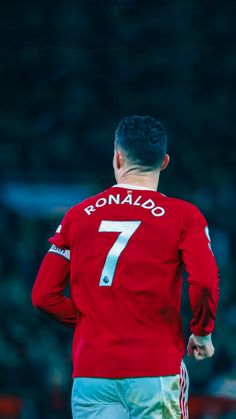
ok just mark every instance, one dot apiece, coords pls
pixel 127 186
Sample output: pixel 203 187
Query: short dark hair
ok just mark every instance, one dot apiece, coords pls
pixel 143 139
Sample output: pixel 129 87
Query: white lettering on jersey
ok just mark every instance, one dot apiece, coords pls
pixel 149 204
pixel 115 199
pixel 90 209
pixel 101 202
pixel 160 213
pixel 137 200
pixel 128 200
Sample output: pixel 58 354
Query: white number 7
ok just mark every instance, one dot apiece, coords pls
pixel 126 229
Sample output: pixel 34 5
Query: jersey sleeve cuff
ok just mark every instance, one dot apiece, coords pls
pixel 202 340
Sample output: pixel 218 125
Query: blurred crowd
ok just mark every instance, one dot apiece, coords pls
pixel 69 72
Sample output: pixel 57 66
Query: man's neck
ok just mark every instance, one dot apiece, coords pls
pixel 148 180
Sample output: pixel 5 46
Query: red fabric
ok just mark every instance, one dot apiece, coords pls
pixel 47 293
pixel 133 327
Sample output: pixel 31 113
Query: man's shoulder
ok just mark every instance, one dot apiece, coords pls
pixel 187 213
pixel 180 203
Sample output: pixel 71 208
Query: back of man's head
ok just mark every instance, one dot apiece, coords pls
pixel 143 140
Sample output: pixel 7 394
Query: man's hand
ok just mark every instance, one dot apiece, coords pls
pixel 200 347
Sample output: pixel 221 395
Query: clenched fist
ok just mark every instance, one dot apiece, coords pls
pixel 200 347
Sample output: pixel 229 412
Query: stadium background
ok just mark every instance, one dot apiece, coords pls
pixel 69 71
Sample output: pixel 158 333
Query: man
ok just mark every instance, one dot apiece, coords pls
pixel 124 251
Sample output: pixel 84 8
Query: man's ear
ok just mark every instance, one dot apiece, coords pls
pixel 165 162
pixel 118 160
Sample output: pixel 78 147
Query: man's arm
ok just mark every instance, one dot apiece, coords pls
pixel 47 293
pixel 203 281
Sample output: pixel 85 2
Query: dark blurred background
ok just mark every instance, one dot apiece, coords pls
pixel 69 71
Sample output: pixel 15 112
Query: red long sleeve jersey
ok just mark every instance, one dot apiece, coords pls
pixel 127 248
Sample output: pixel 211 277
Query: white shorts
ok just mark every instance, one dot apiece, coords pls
pixel 131 398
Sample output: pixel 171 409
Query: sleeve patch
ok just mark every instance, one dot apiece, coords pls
pixel 62 252
pixel 58 230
